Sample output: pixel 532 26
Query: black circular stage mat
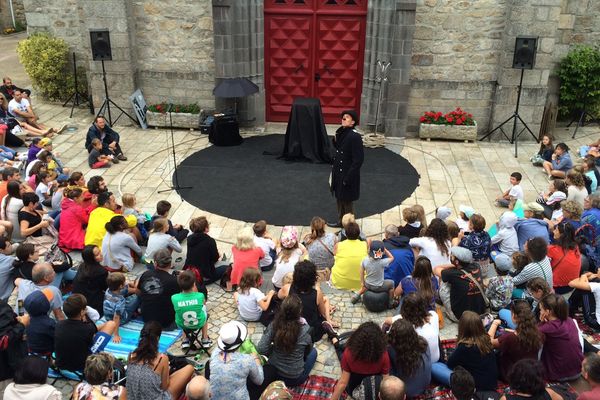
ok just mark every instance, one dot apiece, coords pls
pixel 241 183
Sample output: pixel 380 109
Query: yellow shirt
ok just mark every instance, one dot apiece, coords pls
pixel 98 218
pixel 345 273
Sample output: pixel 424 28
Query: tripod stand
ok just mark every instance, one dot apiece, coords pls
pixel 176 186
pixel 107 102
pixel 515 136
pixel 582 120
pixel 76 97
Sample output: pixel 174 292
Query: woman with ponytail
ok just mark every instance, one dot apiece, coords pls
pixel 117 245
pixel 523 343
pixel 148 370
pixel 288 345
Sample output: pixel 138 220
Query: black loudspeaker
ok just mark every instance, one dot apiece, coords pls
pixel 525 49
pixel 225 131
pixel 100 39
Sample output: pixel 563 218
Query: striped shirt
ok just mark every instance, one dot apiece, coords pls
pixel 535 269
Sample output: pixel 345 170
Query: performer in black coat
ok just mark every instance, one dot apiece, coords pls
pixel 345 172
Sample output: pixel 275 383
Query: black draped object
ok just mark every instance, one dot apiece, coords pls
pixel 306 136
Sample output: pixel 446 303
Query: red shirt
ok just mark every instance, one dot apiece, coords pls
pixel 243 259
pixel 565 266
pixel 593 394
pixel 381 367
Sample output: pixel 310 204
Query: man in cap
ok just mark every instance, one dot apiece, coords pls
pixel 345 172
pixel 533 225
pixel 463 287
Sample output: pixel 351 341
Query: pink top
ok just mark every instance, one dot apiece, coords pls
pixel 243 259
pixel 73 218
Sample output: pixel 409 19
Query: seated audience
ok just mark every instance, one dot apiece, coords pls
pixel 160 239
pixel 591 373
pixel 591 213
pixel 118 245
pixel 263 239
pixel 190 308
pixel 479 242
pixel 348 255
pixel 96 159
pixel 42 276
pixel 288 345
pixel 421 281
pixel 110 139
pixel 392 388
pixel 533 225
pixel 347 219
pixel 90 280
pixel 557 192
pixel 474 352
pixel 98 373
pixel 11 204
pixel 229 370
pixel 512 194
pixel 149 374
pixel 289 252
pixel 20 109
pixel 563 351
pixel 31 222
pixel 245 255
pixel 30 381
pixel 176 230
pixel 78 336
pixel 8 89
pixel 155 290
pixel 537 250
pixel 434 244
pixel 130 208
pixel 463 287
pixel 576 190
pixel 73 220
pixel 462 384
pixel 40 332
pixel 372 272
pixel 588 287
pixel 27 256
pixel 526 380
pixel 505 241
pixel 6 269
pixel 252 303
pixel 198 388
pixel 319 245
pixel 500 287
pixel 561 162
pixel 404 257
pixel 412 228
pixel 409 357
pixel 120 301
pixel 523 343
pixel 365 354
pixel 100 216
pixel 565 258
pixel 202 253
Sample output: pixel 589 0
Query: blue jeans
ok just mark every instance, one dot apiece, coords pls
pixel 309 363
pixel 441 373
pixel 7 153
pixel 67 275
pixel 505 316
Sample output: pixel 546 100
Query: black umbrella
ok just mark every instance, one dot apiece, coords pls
pixel 235 87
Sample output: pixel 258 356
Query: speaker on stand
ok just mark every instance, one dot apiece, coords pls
pixel 523 58
pixel 101 51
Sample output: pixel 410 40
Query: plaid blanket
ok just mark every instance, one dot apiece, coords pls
pixel 315 388
pixel 593 336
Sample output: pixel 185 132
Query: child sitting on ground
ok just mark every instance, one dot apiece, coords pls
pixel 413 227
pixel 120 301
pixel 506 241
pixel 96 159
pixel 479 242
pixel 263 240
pixel 177 231
pixel 347 219
pixel 544 153
pixel 512 194
pixel 499 288
pixel 590 171
pixel 464 215
pixel 40 331
pixel 289 252
pixel 252 303
pixel 159 239
pixel 143 221
pixel 190 309
pixel 372 271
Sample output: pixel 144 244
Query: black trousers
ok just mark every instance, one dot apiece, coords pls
pixel 344 207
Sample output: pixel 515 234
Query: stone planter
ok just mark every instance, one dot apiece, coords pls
pixel 448 132
pixel 180 120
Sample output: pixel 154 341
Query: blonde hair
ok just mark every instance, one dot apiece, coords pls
pixel 421 215
pixel 159 224
pixel 288 278
pixel 128 200
pixel 98 367
pixel 245 239
pixel 347 218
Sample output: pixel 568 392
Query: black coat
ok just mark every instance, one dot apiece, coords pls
pixel 349 156
pixel 94 132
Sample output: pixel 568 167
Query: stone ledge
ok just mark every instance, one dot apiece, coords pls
pixel 448 132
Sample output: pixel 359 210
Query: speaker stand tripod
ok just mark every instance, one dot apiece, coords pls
pixel 77 98
pixel 176 185
pixel 515 136
pixel 581 121
pixel 107 103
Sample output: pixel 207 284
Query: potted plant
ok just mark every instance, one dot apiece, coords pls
pixel 455 125
pixel 183 115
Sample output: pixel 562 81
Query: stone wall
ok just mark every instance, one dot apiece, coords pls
pixel 6 16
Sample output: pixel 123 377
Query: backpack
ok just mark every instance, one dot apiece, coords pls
pixel 57 257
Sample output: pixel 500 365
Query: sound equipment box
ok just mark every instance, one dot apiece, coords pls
pixel 525 50
pixel 225 131
pixel 100 40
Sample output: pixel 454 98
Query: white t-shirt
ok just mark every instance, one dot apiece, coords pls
pixel 595 287
pixel 248 304
pixel 22 106
pixel 283 267
pixel 517 192
pixel 430 250
pixel 430 332
pixel 576 194
pixel 266 245
pixel 462 224
pixel 41 190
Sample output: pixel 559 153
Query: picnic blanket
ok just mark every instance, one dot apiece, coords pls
pixel 316 387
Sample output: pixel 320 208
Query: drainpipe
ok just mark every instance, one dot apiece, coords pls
pixel 12 14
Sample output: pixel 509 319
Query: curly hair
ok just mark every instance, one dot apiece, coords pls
pixel 367 343
pixel 286 325
pixel 527 331
pixel 305 276
pixel 575 178
pixel 559 185
pixel 415 309
pixel 526 376
pixel 409 347
pixel 573 208
pixel 438 231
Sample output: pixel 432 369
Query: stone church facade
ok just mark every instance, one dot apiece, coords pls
pixel 443 53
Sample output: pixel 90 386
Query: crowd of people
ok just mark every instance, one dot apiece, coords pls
pixel 515 288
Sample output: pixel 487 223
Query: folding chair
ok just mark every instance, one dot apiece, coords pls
pixel 194 338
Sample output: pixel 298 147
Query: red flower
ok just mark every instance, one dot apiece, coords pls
pixel 449 118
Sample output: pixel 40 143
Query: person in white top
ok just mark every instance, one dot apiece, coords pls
pixel 20 108
pixel 435 244
pixel 588 282
pixel 263 240
pixel 289 252
pixel 512 194
pixel 252 303
pixel 576 190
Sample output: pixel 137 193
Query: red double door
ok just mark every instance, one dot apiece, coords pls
pixel 314 48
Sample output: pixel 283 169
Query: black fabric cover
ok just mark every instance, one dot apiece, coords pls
pixel 225 131
pixel 306 136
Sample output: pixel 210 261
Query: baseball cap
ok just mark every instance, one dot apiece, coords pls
pixel 377 249
pixel 468 211
pixel 45 142
pixel 503 262
pixel 231 336
pixel 556 197
pixel 443 213
pixel 462 254
pixel 533 207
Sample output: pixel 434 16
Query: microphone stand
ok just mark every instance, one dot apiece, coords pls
pixel 176 186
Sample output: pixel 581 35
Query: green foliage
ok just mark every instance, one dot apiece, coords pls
pixel 176 108
pixel 45 60
pixel 81 84
pixel 579 74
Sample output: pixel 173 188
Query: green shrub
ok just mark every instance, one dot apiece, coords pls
pixel 45 60
pixel 579 74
